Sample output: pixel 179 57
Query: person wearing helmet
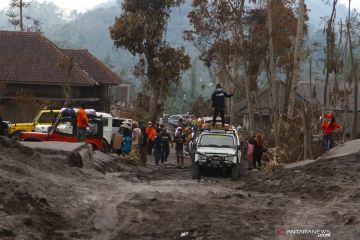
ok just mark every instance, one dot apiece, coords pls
pixel 218 103
pixel 328 128
pixel 179 147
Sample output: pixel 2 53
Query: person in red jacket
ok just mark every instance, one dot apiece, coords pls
pixel 81 123
pixel 328 128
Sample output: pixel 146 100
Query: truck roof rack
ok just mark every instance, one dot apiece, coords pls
pixel 217 130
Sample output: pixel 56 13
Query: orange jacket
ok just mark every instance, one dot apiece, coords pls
pixel 151 133
pixel 82 119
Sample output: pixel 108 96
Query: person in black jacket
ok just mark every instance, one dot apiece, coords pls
pixel 218 103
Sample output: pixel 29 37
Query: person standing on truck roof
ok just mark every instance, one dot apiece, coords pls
pixel 328 127
pixel 218 103
pixel 151 133
pixel 82 121
pixel 179 147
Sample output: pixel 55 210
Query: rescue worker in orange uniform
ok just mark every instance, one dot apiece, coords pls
pixel 82 121
pixel 151 133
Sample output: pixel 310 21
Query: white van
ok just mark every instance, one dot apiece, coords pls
pixel 109 130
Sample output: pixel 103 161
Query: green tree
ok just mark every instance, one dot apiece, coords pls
pixel 140 29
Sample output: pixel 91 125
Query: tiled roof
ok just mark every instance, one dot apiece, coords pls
pixel 96 69
pixel 30 58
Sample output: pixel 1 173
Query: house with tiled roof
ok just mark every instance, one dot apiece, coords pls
pixel 29 62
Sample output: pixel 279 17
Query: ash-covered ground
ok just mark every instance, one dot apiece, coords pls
pixel 43 198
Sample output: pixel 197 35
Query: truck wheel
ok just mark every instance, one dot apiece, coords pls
pixel 16 135
pixel 196 173
pixel 241 169
pixel 235 172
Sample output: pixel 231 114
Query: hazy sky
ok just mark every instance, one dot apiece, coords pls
pixel 83 5
pixel 80 5
pixel 354 3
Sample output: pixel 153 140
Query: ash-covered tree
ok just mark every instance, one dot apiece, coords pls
pixel 140 29
pixel 233 38
pixel 217 31
pixel 22 22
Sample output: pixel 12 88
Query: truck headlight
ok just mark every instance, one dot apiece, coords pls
pixel 199 157
pixel 230 158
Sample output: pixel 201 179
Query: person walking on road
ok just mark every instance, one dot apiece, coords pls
pixel 218 103
pixel 143 144
pixel 258 151
pixel 158 145
pixel 250 153
pixel 151 133
pixel 82 121
pixel 328 127
pixel 166 140
pixel 179 147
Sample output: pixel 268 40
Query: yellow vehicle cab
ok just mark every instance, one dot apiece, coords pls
pixel 44 117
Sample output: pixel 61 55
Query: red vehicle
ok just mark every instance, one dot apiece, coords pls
pixel 64 130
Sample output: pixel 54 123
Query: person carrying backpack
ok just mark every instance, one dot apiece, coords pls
pixel 179 147
pixel 218 103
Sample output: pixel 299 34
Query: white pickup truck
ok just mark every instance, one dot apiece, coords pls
pixel 219 150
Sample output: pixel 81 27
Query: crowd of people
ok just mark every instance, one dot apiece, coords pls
pixel 153 139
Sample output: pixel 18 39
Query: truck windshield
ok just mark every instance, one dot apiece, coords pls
pixel 217 140
pixel 47 117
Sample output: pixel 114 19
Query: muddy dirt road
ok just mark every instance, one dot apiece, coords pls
pixel 41 198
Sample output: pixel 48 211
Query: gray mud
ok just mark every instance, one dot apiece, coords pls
pixel 43 198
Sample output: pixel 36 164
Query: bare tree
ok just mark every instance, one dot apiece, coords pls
pixel 330 48
pixel 354 76
pixel 273 82
pixel 67 63
pixel 297 53
pixel 20 21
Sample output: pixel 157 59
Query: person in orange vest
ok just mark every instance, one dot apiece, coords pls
pixel 151 133
pixel 81 123
pixel 328 128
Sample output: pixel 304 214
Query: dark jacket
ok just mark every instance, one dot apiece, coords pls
pixel 218 98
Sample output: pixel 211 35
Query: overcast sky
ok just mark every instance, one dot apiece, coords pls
pixel 83 5
pixel 80 5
